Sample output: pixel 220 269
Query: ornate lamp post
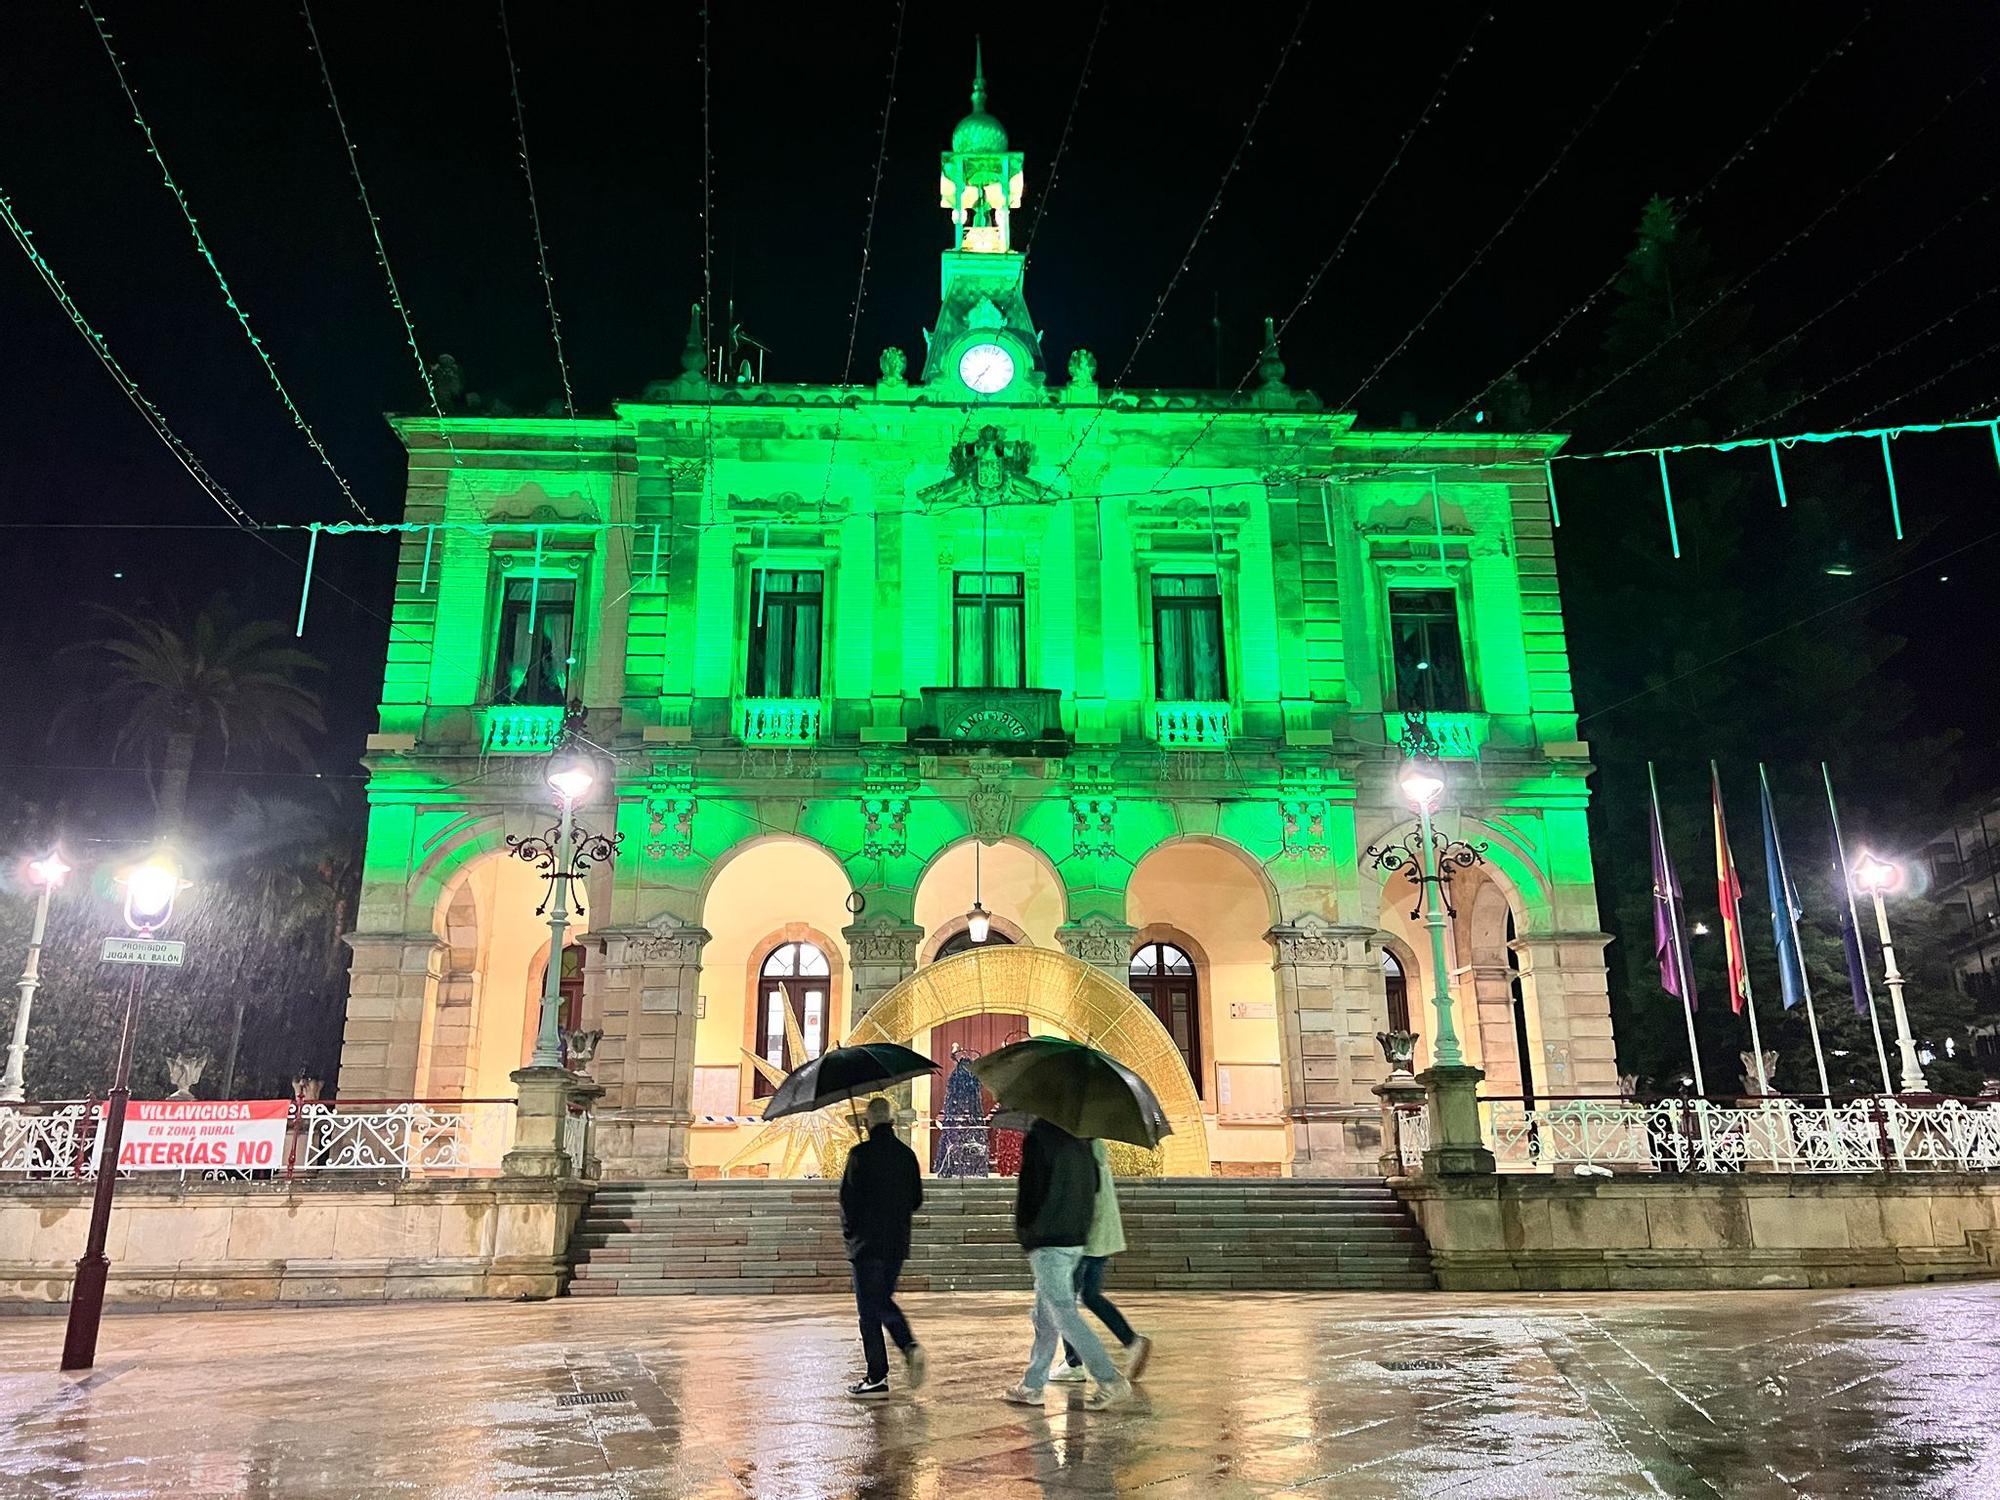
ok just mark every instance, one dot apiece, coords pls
pixel 563 855
pixel 150 892
pixel 47 873
pixel 1876 877
pixel 1427 858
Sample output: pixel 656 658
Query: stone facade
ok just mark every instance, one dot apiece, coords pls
pixel 649 563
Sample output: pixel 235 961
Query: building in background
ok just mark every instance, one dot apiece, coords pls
pixel 1132 662
pixel 1964 864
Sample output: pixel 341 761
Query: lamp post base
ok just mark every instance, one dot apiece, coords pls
pixel 86 1311
pixel 1456 1148
pixel 540 1108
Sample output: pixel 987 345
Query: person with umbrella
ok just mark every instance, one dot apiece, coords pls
pixel 1107 1238
pixel 879 1191
pixel 1076 1094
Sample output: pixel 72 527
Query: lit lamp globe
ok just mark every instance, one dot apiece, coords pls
pixel 1876 876
pixel 978 923
pixel 1422 785
pixel 48 870
pixel 150 889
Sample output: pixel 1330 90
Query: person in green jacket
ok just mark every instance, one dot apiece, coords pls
pixel 1106 1239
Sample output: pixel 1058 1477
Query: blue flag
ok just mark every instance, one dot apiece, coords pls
pixel 1785 908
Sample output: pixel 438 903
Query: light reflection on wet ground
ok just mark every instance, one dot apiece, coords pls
pixel 1773 1393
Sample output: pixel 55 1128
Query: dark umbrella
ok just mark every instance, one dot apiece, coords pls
pixel 841 1073
pixel 1075 1088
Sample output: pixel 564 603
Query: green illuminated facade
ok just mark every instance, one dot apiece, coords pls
pixel 1149 650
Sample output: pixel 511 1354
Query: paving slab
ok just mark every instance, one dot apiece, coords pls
pixel 1779 1393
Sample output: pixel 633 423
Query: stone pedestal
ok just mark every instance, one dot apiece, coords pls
pixel 1456 1149
pixel 1399 1091
pixel 540 1111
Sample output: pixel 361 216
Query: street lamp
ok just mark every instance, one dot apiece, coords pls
pixel 151 888
pixel 1875 877
pixel 978 921
pixel 566 853
pixel 46 874
pixel 1427 858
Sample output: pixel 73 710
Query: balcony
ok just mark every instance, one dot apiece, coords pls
pixel 1007 717
pixel 1191 725
pixel 778 721
pixel 520 728
pixel 1459 736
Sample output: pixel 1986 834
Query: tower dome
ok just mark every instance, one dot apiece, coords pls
pixel 978 131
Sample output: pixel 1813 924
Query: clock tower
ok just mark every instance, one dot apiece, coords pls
pixel 984 347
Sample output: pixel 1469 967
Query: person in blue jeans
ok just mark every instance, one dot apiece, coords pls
pixel 1053 1206
pixel 1107 1238
pixel 879 1191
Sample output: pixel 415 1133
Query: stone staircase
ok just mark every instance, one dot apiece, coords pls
pixel 1185 1234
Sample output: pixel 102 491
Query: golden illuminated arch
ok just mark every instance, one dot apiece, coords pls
pixel 1077 1000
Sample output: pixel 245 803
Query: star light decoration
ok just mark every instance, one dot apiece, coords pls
pixel 821 1134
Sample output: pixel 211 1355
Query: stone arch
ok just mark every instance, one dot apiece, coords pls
pixel 1021 886
pixel 1255 867
pixel 761 892
pixel 1070 996
pixel 1507 883
pixel 482 1008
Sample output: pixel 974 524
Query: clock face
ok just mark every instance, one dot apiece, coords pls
pixel 986 368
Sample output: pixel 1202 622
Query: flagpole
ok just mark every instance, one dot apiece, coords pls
pixel 1798 951
pixel 1725 870
pixel 1854 922
pixel 1674 936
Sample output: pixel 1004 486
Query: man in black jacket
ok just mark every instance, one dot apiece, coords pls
pixel 1052 1209
pixel 879 1191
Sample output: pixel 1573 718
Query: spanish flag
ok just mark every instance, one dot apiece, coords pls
pixel 1729 896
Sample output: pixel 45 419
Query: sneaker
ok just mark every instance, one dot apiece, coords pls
pixel 915 1365
pixel 1020 1395
pixel 1115 1393
pixel 1068 1375
pixel 869 1390
pixel 1136 1354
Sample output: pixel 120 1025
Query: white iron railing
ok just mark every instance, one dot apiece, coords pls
pixel 1772 1135
pixel 1413 1135
pixel 576 1139
pixel 362 1137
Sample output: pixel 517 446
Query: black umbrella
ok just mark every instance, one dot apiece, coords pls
pixel 1075 1088
pixel 842 1072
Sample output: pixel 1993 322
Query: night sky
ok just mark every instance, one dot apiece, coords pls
pixel 614 113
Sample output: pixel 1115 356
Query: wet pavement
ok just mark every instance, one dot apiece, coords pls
pixel 1872 1393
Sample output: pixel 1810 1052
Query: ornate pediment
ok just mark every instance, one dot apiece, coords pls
pixel 988 470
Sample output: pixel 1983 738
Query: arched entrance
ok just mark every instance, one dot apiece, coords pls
pixel 1069 998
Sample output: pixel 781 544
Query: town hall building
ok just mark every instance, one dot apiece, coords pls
pixel 986 643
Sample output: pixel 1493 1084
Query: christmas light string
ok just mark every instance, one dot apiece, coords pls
pixel 1742 152
pixel 375 230
pixel 867 252
pixel 1346 236
pixel 1787 340
pixel 1724 294
pixel 535 215
pixel 1201 229
pixel 201 245
pixel 1946 373
pixel 1062 141
pixel 240 518
pixel 1872 360
pixel 874 194
pixel 1548 174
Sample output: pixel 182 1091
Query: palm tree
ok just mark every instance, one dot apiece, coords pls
pixel 219 679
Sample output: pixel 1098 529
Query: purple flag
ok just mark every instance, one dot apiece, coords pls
pixel 1669 915
pixel 1850 939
